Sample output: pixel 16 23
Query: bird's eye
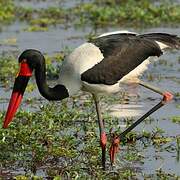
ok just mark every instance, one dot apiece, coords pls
pixel 24 61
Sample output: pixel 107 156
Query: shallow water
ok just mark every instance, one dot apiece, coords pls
pixel 59 37
pixel 54 40
pixel 48 3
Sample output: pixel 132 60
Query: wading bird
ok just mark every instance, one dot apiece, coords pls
pixel 101 65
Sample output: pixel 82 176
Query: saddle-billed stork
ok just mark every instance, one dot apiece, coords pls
pixel 101 65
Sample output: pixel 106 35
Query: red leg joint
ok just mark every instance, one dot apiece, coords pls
pixel 167 96
pixel 103 140
pixel 114 149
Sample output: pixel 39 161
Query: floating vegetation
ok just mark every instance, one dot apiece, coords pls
pixel 54 137
pixel 8 70
pixel 132 13
pixel 176 119
pixel 7 11
pixel 123 13
pixel 64 138
pixel 36 28
pixel 161 140
pixel 10 41
pixel 160 174
pixel 178 148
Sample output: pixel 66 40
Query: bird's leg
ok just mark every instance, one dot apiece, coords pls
pixel 103 138
pixel 167 96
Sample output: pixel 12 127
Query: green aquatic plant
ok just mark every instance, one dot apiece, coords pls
pixel 176 119
pixel 7 11
pixel 9 69
pixel 58 135
pixel 36 28
pixel 41 19
pixel 178 147
pixel 160 174
pixel 122 13
pixel 63 138
pixel 132 13
pixel 26 13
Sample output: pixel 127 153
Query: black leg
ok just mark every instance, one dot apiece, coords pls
pixel 155 108
pixel 166 98
pixel 103 138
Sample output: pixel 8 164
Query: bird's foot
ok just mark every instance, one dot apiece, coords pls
pixel 167 96
pixel 103 141
pixel 114 149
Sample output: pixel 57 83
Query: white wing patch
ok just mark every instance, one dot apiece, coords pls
pixel 116 32
pixel 162 45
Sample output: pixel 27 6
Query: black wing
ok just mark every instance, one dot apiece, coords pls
pixel 122 53
pixel 173 41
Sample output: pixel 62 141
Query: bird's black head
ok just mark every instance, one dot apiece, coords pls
pixel 32 57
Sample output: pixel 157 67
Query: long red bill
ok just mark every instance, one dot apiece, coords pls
pixel 14 103
pixel 20 84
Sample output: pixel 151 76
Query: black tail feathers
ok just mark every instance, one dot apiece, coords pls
pixel 172 41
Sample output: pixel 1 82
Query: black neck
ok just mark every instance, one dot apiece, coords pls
pixel 58 92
